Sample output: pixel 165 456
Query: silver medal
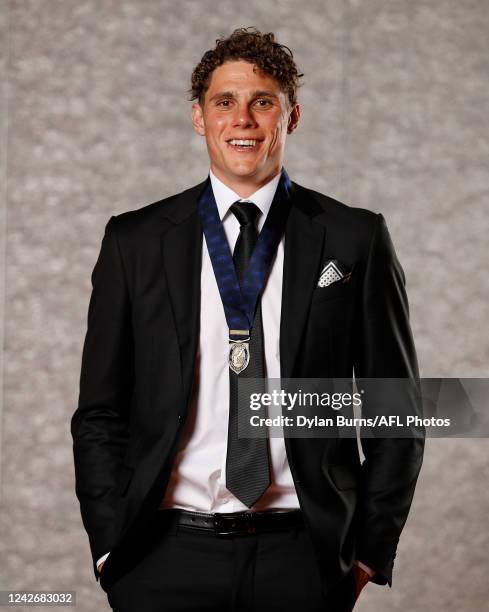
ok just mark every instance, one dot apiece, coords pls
pixel 239 356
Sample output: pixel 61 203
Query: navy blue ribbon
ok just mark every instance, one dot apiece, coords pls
pixel 240 302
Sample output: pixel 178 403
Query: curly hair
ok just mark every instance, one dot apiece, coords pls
pixel 250 45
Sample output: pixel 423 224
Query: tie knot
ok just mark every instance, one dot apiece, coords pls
pixel 245 212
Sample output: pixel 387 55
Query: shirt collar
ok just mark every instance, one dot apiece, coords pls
pixel 225 196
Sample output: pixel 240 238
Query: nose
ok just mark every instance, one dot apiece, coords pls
pixel 243 117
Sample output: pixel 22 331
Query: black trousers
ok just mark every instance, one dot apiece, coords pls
pixel 197 571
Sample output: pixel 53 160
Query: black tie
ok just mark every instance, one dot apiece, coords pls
pixel 247 462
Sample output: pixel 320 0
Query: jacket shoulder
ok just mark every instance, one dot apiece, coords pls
pixel 347 219
pixel 336 208
pixel 150 215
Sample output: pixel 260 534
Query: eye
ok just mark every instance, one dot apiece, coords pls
pixel 224 103
pixel 263 102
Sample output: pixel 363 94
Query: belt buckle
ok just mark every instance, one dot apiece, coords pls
pixel 220 525
pixel 226 525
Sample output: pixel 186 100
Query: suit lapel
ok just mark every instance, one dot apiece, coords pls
pixel 181 247
pixel 303 246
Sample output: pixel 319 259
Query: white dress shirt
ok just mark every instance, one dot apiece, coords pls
pixel 198 478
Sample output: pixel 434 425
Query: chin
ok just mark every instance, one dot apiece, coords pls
pixel 245 170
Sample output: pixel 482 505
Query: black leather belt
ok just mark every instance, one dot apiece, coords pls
pixel 235 523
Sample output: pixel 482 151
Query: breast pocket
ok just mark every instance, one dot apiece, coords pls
pixel 337 290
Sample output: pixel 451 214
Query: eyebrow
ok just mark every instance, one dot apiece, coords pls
pixel 258 93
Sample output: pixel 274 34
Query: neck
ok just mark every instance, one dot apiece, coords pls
pixel 247 185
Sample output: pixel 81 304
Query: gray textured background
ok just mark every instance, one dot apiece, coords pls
pixel 94 121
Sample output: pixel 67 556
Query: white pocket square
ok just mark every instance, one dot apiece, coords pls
pixel 332 272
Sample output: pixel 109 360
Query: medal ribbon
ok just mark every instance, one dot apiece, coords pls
pixel 240 302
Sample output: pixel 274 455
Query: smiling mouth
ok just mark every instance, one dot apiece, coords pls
pixel 243 144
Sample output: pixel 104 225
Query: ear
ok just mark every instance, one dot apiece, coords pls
pixel 198 119
pixel 294 116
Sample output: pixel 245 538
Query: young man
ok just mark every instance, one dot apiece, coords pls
pixel 181 512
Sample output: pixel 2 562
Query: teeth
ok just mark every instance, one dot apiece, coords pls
pixel 243 143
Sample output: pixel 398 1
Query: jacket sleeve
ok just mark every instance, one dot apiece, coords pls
pixel 99 425
pixel 384 348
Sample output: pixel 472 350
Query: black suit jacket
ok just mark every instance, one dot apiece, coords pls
pixel 138 366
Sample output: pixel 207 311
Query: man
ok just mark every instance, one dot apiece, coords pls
pixel 182 513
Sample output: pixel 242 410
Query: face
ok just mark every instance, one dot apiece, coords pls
pixel 245 119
